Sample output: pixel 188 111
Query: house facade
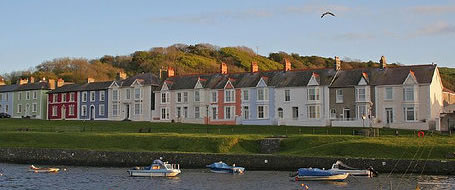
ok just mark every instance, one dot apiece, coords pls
pixel 93 100
pixel 63 102
pixel 6 98
pixel 30 100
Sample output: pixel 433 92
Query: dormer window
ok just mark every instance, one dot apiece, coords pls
pixel 361 94
pixel 408 93
pixel 263 94
pixel 313 94
pixel 229 96
pixel 197 96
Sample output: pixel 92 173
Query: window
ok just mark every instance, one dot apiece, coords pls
pixel 164 113
pixel 54 111
pixel 27 95
pixel 361 94
pixel 185 112
pixel 287 95
pixel 313 112
pixel 63 97
pixel 137 93
pixel 228 112
pixel 19 108
pixel 54 98
pixel 214 98
pixel 229 96
pixel 408 94
pixel 246 112
pixel 313 94
pixel 128 93
pixel 361 111
pixel 409 114
pixel 84 97
pixel 164 97
pixel 84 110
pixel 295 112
pixel 179 97
pixel 346 113
pixel 6 108
pixel 72 97
pixel 179 112
pixel 102 96
pixel 115 109
pixel 263 94
pixel 137 109
pixel 263 112
pixel 197 97
pixel 101 109
pixel 19 95
pixel 280 113
pixel 34 107
pixel 339 96
pixel 35 95
pixel 185 97
pixel 388 93
pixel 71 110
pixel 197 113
pixel 333 113
pixel 115 95
pixel 214 113
pixel 92 96
pixel 246 96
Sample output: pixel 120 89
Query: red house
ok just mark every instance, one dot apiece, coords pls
pixel 62 102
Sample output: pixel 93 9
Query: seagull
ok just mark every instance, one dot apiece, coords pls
pixel 327 13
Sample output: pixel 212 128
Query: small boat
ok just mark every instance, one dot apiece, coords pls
pixel 340 167
pixel 221 167
pixel 158 168
pixel 43 170
pixel 315 174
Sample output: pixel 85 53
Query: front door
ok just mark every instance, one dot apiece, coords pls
pixel 63 112
pixel 346 113
pixel 127 111
pixel 389 115
pixel 92 112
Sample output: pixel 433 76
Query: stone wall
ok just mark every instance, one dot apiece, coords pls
pixel 199 160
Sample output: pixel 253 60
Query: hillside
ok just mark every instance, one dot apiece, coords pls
pixel 199 58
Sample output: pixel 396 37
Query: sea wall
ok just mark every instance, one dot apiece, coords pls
pixel 199 160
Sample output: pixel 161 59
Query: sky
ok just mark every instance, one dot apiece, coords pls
pixel 405 31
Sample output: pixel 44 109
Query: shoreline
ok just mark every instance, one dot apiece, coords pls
pixel 269 162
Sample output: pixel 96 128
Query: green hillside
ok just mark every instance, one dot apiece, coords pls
pixel 186 59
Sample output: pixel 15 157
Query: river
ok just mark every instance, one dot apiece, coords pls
pixel 16 176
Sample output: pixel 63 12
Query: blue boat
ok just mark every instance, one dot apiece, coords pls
pixel 315 174
pixel 221 167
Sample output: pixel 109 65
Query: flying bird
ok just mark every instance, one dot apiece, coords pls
pixel 327 13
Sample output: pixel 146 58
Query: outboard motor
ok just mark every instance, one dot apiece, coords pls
pixel 373 172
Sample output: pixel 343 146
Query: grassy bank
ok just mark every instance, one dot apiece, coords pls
pixel 301 141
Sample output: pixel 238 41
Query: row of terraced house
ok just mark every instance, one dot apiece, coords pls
pixel 407 97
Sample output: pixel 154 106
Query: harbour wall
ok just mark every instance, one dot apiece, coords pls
pixel 200 160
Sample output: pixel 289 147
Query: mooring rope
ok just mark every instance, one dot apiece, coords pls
pixel 410 163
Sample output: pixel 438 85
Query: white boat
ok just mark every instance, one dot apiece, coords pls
pixel 157 169
pixel 315 174
pixel 340 167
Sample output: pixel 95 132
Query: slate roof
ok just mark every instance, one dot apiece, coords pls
pixel 8 88
pixel 387 76
pixel 95 86
pixel 66 88
pixel 277 79
pixel 33 86
pixel 144 79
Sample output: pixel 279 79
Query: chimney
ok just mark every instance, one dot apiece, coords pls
pixel 121 75
pixel 90 80
pixel 337 63
pixel 60 83
pixel 254 67
pixel 223 68
pixel 170 72
pixel 382 62
pixel 2 81
pixel 32 80
pixel 52 84
pixel 23 81
pixel 287 65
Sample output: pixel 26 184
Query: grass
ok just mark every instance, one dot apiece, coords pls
pixel 167 137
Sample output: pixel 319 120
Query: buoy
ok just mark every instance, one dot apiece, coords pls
pixel 421 134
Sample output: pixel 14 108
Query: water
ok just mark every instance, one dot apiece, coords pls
pixel 17 177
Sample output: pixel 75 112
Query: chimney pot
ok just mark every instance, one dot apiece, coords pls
pixel 254 67
pixel 382 62
pixel 52 84
pixel 170 72
pixel 337 63
pixel 60 83
pixel 287 65
pixel 121 75
pixel 90 80
pixel 223 68
pixel 23 81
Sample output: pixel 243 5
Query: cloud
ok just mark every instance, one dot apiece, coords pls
pixel 438 28
pixel 433 9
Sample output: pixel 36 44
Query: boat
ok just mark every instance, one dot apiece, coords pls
pixel 343 168
pixel 158 168
pixel 43 170
pixel 316 174
pixel 221 167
